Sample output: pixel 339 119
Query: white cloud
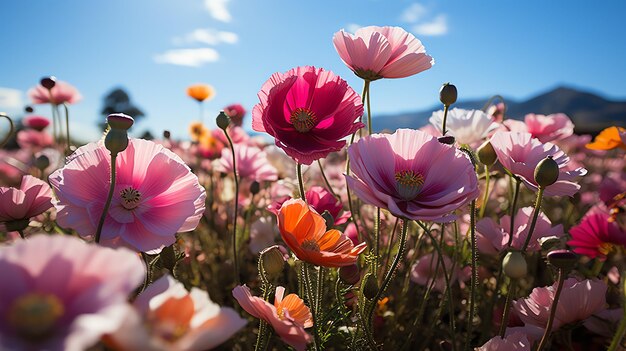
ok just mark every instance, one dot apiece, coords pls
pixel 353 27
pixel 207 36
pixel 10 99
pixel 413 13
pixel 438 26
pixel 218 10
pixel 188 57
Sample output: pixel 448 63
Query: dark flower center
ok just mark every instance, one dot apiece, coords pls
pixel 409 183
pixel 303 119
pixel 130 198
pixel 34 315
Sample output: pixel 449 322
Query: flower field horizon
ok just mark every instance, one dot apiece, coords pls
pixel 474 232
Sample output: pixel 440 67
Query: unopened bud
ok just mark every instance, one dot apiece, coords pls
pixel 330 220
pixel 350 274
pixel 546 172
pixel 447 94
pixel 514 265
pixel 447 139
pixel 222 120
pixel 120 121
pixel 48 82
pixel 42 162
pixel 28 109
pixel 563 259
pixel 116 141
pixel 273 260
pixel 370 286
pixel 549 242
pixel 486 154
pixel 166 134
pixel 255 187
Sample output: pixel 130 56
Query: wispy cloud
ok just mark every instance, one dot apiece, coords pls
pixel 437 26
pixel 207 36
pixel 10 99
pixel 353 27
pixel 218 10
pixel 413 13
pixel 188 57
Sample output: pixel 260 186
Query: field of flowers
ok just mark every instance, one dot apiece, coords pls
pixel 474 232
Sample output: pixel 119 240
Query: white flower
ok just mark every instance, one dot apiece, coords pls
pixel 467 126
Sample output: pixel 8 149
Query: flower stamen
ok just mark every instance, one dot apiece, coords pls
pixel 409 183
pixel 303 119
pixel 130 198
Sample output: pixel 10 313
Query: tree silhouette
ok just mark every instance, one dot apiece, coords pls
pixel 118 101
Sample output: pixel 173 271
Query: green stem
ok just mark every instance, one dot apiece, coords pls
pixel 11 130
pixel 534 219
pixel 377 240
pixel 507 307
pixel 619 334
pixel 474 280
pixel 369 111
pixel 483 207
pixel 445 118
pixel 67 128
pixel 330 188
pixel 312 299
pixel 548 330
pixel 235 251
pixel 393 234
pixel 300 181
pixel 512 213
pixel 318 299
pixel 107 204
pixel 21 234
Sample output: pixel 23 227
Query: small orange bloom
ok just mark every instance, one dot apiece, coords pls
pixel 608 139
pixel 197 130
pixel 201 92
pixel 304 231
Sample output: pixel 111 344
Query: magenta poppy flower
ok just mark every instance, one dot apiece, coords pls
pixel 382 52
pixel 321 200
pixel 155 195
pixel 252 163
pixel 549 128
pixel 33 139
pixel 18 205
pixel 236 112
pixel 597 235
pixel 412 174
pixel 168 317
pixel 60 293
pixel 578 301
pixel 288 316
pixel 520 153
pixel 492 238
pixel 308 111
pixel 61 93
pixel 36 122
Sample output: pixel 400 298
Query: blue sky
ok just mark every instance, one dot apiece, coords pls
pixel 156 48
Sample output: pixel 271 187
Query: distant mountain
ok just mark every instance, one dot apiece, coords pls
pixel 589 112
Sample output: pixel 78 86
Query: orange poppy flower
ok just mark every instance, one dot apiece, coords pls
pixel 201 92
pixel 608 139
pixel 197 130
pixel 304 231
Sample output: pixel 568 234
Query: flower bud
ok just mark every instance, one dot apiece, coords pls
pixel 370 286
pixel 447 94
pixel 42 162
pixel 514 265
pixel 120 121
pixel 48 82
pixel 486 154
pixel 549 242
pixel 29 109
pixel 166 134
pixel 222 120
pixel 350 274
pixel 255 187
pixel 562 259
pixel 330 220
pixel 116 141
pixel 547 172
pixel 447 139
pixel 273 260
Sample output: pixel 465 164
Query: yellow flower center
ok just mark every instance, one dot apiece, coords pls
pixel 34 316
pixel 303 119
pixel 606 248
pixel 409 183
pixel 130 198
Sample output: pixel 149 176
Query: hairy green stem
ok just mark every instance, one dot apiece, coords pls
pixel 445 119
pixel 548 330
pixel 483 206
pixel 68 149
pixel 513 209
pixel 234 238
pixel 107 204
pixel 533 223
pixel 474 280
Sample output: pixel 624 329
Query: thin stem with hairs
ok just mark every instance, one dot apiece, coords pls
pixel 234 238
pixel 107 204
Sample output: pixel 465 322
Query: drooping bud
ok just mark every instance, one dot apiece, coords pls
pixel 562 259
pixel 370 287
pixel 547 172
pixel 447 139
pixel 120 121
pixel 42 162
pixel 255 187
pixel 222 120
pixel 514 265
pixel 350 274
pixel 48 82
pixel 486 154
pixel 447 94
pixel 273 260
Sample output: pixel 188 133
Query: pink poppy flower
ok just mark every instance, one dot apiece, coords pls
pixel 33 139
pixel 578 301
pixel 382 52
pixel 18 205
pixel 321 200
pixel 61 93
pixel 423 272
pixel 308 111
pixel 496 237
pixel 288 316
pixel 59 293
pixel 262 234
pixel 236 112
pixel 412 175
pixel 168 317
pixel 549 128
pixel 514 342
pixel 252 163
pixel 36 122
pixel 597 235
pixel 155 195
pixel 520 153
